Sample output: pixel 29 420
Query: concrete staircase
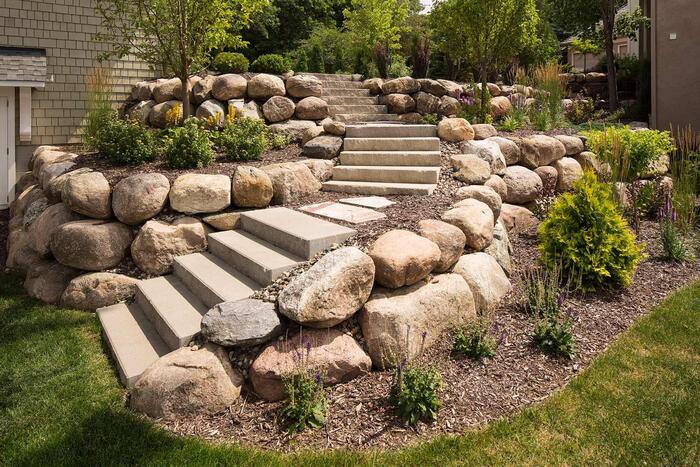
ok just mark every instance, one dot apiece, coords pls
pixel 388 159
pixel 168 310
pixel 348 102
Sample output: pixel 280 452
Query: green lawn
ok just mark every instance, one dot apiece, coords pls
pixel 60 403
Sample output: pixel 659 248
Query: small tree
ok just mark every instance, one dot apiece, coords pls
pixel 488 34
pixel 316 59
pixel 176 35
pixel 585 47
pixel 302 63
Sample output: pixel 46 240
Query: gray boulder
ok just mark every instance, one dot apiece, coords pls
pixel 323 147
pixel 241 323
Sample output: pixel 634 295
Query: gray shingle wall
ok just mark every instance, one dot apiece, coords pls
pixel 65 28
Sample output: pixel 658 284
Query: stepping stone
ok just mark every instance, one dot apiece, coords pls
pixel 373 202
pixel 344 212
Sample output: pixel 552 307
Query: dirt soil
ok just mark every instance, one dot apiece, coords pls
pixel 359 415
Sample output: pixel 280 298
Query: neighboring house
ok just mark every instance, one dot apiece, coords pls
pixel 46 53
pixel 623 46
pixel 673 46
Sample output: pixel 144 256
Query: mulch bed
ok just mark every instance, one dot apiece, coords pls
pixel 359 415
pixel 4 232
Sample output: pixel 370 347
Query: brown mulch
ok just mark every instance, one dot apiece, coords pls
pixel 359 415
pixel 4 232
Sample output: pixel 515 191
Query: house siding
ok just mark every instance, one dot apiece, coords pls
pixel 65 28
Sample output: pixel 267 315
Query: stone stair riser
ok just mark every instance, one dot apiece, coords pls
pixel 378 188
pixel 427 175
pixel 340 100
pixel 356 109
pixel 363 118
pixel 395 158
pixel 345 92
pixel 391 131
pixel 391 144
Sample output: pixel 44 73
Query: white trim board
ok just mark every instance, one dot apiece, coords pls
pixel 7 149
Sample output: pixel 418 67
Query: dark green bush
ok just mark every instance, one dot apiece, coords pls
pixel 586 236
pixel 316 59
pixel 244 139
pixel 188 146
pixel 271 63
pixel 553 334
pixel 415 393
pixel 231 62
pixel 475 340
pixel 302 63
pixel 125 141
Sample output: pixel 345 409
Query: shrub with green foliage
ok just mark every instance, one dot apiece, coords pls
pixel 430 119
pixel 188 146
pixel 475 340
pixel 302 62
pixel 553 334
pixel 415 393
pixel 271 63
pixel 125 141
pixel 231 62
pixel 674 245
pixel 306 401
pixel 244 139
pixel 316 62
pixel 581 111
pixel 587 237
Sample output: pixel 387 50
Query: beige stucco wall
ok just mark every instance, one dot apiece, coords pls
pixel 65 28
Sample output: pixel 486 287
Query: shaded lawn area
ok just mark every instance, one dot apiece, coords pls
pixel 61 404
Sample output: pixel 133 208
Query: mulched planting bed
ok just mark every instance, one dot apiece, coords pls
pixel 359 415
pixel 4 232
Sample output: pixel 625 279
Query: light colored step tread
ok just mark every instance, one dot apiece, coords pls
pixel 391 130
pixel 388 168
pixel 176 305
pixel 221 278
pixel 256 249
pixel 395 138
pixel 391 158
pixel 132 339
pixel 392 153
pixel 379 188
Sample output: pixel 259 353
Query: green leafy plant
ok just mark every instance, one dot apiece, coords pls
pixel 279 140
pixel 188 146
pixel 243 139
pixel 685 170
pixel 316 59
pixel 306 398
pixel 125 141
pixel 553 334
pixel 430 119
pixel 414 393
pixel 586 235
pixel 271 63
pixel 581 111
pixel 674 245
pixel 302 62
pixel 549 92
pixel 230 62
pixel 475 340
pixel 99 106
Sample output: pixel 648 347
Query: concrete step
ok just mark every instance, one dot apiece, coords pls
pixel 396 158
pixel 345 92
pixel 391 144
pixel 131 339
pixel 360 118
pixel 391 131
pixel 333 76
pixel 388 174
pixel 254 257
pixel 378 188
pixel 293 231
pixel 342 85
pixel 173 309
pixel 357 109
pixel 212 279
pixel 340 100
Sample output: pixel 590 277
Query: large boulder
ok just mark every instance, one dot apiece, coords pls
pixel 251 187
pixel 45 224
pixel 167 90
pixel 49 156
pixel 485 194
pixel 432 87
pixel 54 189
pixel 568 170
pixel 202 89
pixel 500 106
pixel 311 108
pixel 374 85
pixel 291 180
pixel 334 127
pixel 449 106
pixel 262 87
pixel 452 88
pixel 137 198
pixel 196 193
pixel 517 218
pixel 20 254
pixel 589 161
pixel 242 109
pixel 142 91
pixel 509 149
pixel 229 86
pixel 497 184
pixel 484 131
pixel 304 86
pixel 25 199
pixel 471 169
pixel 88 194
pixel 500 248
pixel 475 219
pixel 400 103
pixel 91 245
pixel 403 258
pixel 157 244
pixel 278 108
pixel 404 85
pixel 399 324
pixel 223 221
pixel 321 168
pixel 241 323
pixel 188 381
pixel 212 111
pixel 310 134
pixel 487 150
pixel 486 280
pixel 34 210
pixel 539 150
pixel 50 172
pixel 323 147
pixel 46 280
pixel 334 355
pixel 98 289
pixel 140 111
pixel 549 177
pixel 293 129
pixel 455 130
pixel 426 103
pixel 572 144
pixel 331 291
pixel 447 237
pixel 523 184
pixel 162 114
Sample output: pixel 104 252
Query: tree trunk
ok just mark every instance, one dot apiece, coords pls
pixel 185 83
pixel 608 31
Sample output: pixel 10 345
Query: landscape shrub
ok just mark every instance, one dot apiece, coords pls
pixel 554 335
pixel 430 119
pixel 674 245
pixel 188 146
pixel 549 92
pixel 587 237
pixel 99 106
pixel 231 62
pixel 685 170
pixel 279 140
pixel 414 393
pixel 581 111
pixel 630 153
pixel 243 139
pixel 125 141
pixel 475 340
pixel 316 59
pixel 271 63
pixel 302 62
